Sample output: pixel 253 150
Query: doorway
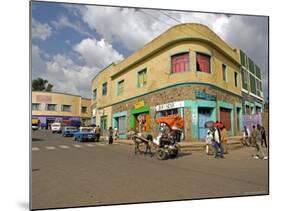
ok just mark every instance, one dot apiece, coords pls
pixel 103 124
pixel 204 115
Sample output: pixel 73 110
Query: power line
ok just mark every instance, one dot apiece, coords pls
pixel 155 18
pixel 170 16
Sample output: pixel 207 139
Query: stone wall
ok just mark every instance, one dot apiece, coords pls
pixel 178 93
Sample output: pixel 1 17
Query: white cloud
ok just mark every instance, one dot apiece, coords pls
pixel 127 26
pixel 135 27
pixel 97 53
pixel 64 22
pixel 40 31
pixel 68 76
pixel 131 29
pixel 38 64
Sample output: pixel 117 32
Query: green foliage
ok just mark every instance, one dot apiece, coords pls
pixel 41 84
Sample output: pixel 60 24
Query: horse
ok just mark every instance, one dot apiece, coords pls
pixel 139 140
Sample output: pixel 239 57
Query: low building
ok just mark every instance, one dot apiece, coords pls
pixel 188 70
pixel 49 107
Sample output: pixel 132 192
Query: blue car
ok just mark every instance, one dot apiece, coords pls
pixel 69 131
pixel 85 134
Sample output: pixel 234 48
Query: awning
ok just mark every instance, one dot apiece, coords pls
pixel 171 121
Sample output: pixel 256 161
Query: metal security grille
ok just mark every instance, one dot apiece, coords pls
pixel 225 117
pixel 204 115
pixel 122 125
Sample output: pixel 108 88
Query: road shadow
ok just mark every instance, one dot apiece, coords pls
pixel 182 154
pixel 37 139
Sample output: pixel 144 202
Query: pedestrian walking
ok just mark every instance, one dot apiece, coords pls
pixel 224 139
pixel 209 143
pixel 110 135
pixel 256 141
pixel 263 137
pixel 97 132
pixel 246 136
pixel 218 143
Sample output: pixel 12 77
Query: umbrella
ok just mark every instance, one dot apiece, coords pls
pixel 209 124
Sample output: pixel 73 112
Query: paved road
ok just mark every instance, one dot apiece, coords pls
pixel 69 174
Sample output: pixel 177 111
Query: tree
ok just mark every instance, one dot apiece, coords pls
pixel 41 84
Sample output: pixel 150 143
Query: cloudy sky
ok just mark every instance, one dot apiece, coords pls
pixel 72 43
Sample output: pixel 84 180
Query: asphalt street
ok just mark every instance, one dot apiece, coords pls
pixel 69 174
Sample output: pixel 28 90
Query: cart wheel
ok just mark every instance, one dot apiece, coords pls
pixel 161 154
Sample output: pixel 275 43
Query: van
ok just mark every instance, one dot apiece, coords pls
pixel 56 127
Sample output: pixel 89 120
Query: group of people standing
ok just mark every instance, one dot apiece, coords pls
pixel 112 134
pixel 255 138
pixel 216 140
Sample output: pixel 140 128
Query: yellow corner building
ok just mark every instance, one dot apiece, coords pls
pixel 188 70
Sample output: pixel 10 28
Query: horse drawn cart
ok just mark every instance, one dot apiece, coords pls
pixel 165 145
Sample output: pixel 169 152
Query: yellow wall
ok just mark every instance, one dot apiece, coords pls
pixel 158 72
pixel 87 103
pixel 61 99
pixel 104 112
pixel 97 84
pixel 156 58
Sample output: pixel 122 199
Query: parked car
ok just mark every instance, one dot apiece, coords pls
pixel 85 134
pixel 69 131
pixel 56 127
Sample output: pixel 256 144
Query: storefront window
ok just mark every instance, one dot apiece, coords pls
pixel 180 63
pixel 94 94
pixel 142 122
pixel 142 78
pixel 203 63
pixel 35 106
pixel 224 72
pixel 104 88
pixel 236 78
pixel 51 107
pixel 120 87
pixel 84 109
pixel 66 108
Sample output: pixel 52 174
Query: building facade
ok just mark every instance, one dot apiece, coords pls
pixel 252 86
pixel 188 70
pixel 51 107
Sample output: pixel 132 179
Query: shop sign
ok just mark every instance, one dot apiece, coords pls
pixel 139 104
pixel 205 96
pixel 43 99
pixel 168 106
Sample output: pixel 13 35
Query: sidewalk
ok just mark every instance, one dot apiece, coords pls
pixel 233 143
